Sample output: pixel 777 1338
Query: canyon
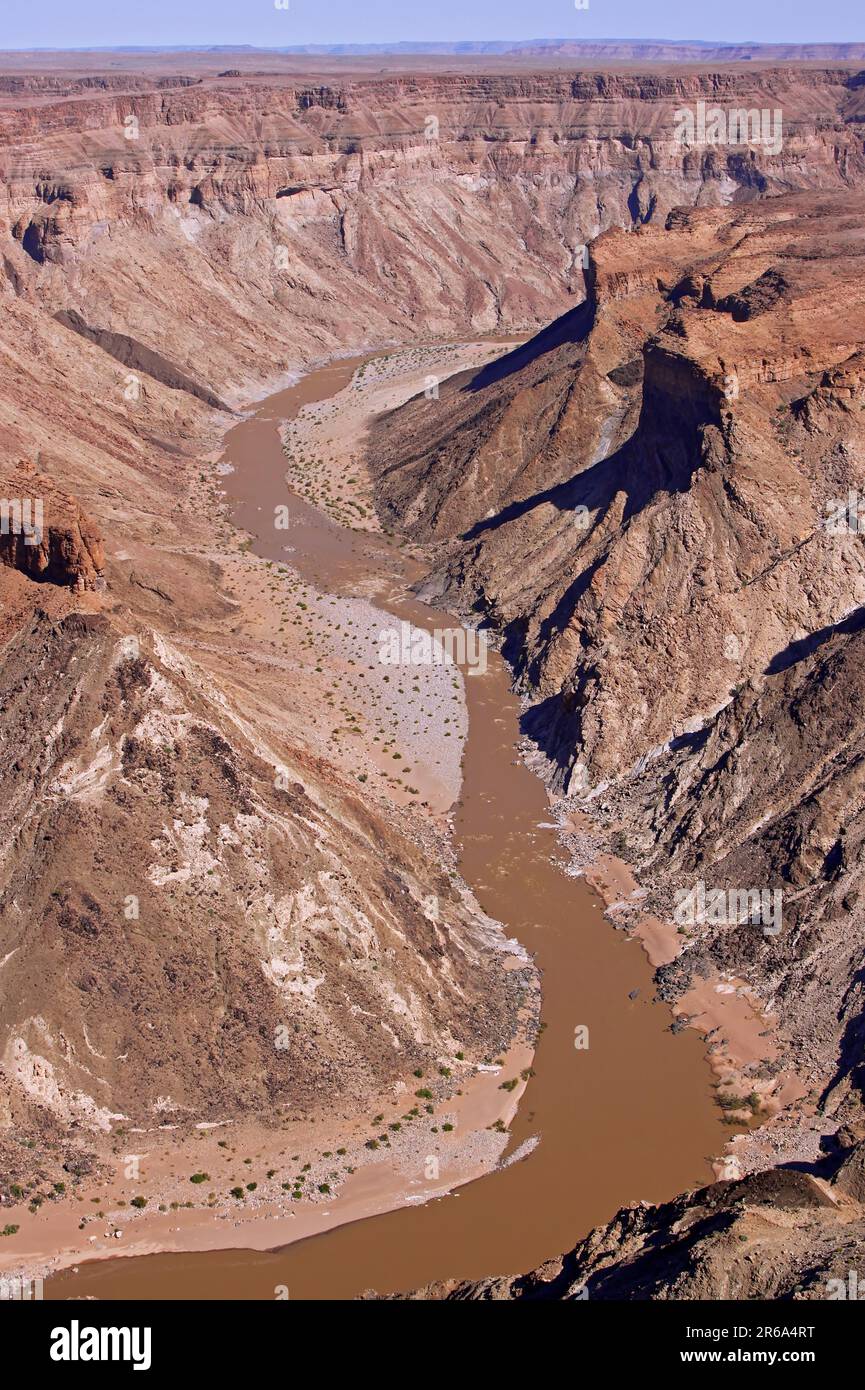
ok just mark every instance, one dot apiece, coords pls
pixel 651 487
pixel 630 502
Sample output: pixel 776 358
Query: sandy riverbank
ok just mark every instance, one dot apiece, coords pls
pixel 291 1181
pixel 324 444
pixel 293 645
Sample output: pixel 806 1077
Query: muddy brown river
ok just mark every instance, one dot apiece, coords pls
pixel 630 1117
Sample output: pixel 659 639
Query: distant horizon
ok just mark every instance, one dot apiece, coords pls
pixel 298 25
pixel 419 45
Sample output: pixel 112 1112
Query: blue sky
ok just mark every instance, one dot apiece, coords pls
pixel 79 23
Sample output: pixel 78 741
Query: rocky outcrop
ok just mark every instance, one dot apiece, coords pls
pixel 140 358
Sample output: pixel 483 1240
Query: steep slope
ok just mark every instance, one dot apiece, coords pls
pixel 176 891
pixel 657 506
pixel 770 793
pixel 625 495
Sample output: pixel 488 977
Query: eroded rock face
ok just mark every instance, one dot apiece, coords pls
pixel 637 499
pixel 330 213
pixel 770 793
pixel 195 925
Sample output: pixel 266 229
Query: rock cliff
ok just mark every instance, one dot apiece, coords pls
pixel 657 506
